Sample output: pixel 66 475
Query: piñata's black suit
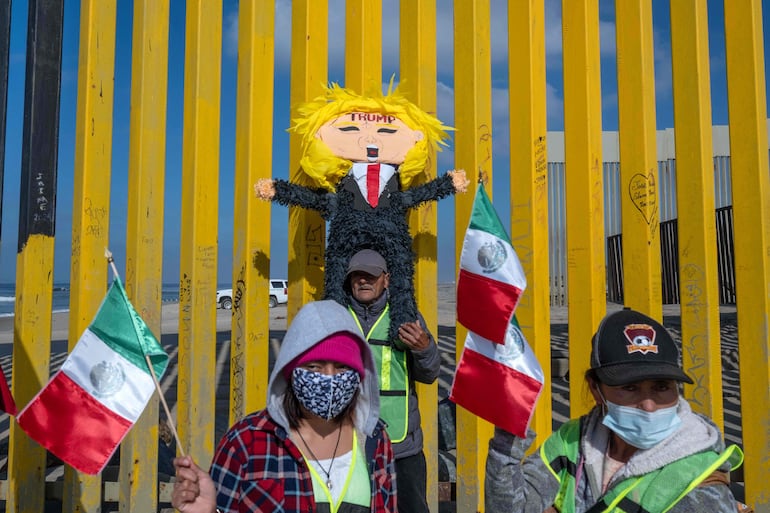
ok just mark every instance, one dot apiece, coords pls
pixel 355 225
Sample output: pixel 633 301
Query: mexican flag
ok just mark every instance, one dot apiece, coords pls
pixel 89 405
pixel 499 382
pixel 498 377
pixel 491 278
pixel 7 404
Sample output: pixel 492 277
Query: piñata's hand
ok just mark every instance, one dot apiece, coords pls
pixel 264 189
pixel 194 491
pixel 459 180
pixel 413 336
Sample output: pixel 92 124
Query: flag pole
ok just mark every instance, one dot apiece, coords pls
pixel 111 261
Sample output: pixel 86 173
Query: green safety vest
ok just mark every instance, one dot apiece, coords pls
pixel 390 361
pixel 656 492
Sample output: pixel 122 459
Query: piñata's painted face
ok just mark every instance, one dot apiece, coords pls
pixel 369 137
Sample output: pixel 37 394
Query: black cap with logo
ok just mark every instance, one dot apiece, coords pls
pixel 630 346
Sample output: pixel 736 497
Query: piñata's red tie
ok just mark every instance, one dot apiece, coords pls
pixel 373 184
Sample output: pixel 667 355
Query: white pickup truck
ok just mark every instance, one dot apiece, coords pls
pixel 279 294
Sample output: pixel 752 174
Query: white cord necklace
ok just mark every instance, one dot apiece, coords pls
pixel 334 455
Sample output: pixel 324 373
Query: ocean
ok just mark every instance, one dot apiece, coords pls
pixel 61 297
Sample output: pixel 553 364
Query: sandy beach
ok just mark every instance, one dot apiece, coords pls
pixel 169 323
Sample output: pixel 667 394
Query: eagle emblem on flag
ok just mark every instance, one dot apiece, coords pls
pixel 492 256
pixel 107 378
pixel 513 347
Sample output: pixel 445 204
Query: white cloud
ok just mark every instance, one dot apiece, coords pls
pixel 444 39
pixel 445 103
pixel 230 33
pixel 554 106
pixel 501 115
pixel 282 36
pixel 663 74
pixel 607 39
pixel 553 34
pixel 336 37
pixel 445 111
pixel 336 10
pixel 390 38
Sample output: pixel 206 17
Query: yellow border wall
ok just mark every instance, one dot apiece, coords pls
pixel 136 487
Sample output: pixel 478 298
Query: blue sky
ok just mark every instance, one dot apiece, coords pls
pixel 445 78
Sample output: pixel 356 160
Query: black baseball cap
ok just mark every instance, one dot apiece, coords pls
pixel 630 346
pixel 368 261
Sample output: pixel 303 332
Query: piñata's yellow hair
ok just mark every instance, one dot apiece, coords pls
pixel 326 169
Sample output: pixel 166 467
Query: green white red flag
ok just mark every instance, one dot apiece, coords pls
pixel 91 403
pixel 491 278
pixel 7 404
pixel 499 382
pixel 498 376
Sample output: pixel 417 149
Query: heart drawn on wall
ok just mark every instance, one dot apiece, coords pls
pixel 644 195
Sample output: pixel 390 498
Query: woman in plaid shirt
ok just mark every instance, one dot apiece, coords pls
pixel 318 447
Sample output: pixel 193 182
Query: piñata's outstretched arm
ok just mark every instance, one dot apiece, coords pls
pixel 294 195
pixel 438 188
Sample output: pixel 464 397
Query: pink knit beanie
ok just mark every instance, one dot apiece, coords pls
pixel 341 347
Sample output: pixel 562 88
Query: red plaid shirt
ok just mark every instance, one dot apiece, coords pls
pixel 257 468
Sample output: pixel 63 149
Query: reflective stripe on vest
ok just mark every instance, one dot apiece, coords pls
pixel 390 362
pixel 656 492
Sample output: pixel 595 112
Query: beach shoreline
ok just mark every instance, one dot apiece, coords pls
pixel 169 324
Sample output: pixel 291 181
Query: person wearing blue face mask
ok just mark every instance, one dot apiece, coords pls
pixel 640 449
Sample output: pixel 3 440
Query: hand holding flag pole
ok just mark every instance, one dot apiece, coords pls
pixel 111 261
pixel 95 398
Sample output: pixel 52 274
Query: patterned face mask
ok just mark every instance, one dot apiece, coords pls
pixel 325 395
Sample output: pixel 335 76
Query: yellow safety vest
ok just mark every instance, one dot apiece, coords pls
pixel 656 492
pixel 390 361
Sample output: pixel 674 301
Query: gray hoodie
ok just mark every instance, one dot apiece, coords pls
pixel 313 323
pixel 514 483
